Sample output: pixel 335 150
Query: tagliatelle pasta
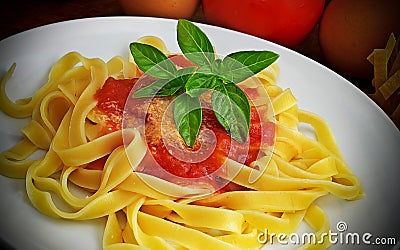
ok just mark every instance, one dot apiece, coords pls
pixel 280 190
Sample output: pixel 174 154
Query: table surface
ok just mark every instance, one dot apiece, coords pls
pixel 20 15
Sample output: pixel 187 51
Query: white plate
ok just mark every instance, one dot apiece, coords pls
pixel 368 140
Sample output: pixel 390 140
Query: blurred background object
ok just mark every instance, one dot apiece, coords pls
pixel 351 29
pixel 177 9
pixel 286 22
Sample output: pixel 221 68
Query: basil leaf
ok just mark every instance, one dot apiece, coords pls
pixel 199 83
pixel 188 117
pixel 152 61
pixel 194 43
pixel 239 66
pixel 166 87
pixel 232 109
pixel 185 73
pixel 159 88
pixel 229 102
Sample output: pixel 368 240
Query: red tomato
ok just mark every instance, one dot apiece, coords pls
pixel 286 22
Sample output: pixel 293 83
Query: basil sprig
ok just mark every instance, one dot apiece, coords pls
pixel 229 103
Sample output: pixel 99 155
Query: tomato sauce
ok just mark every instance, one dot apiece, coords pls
pixel 112 98
pixel 224 147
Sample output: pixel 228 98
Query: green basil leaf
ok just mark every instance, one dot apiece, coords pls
pixel 188 117
pixel 194 43
pixel 152 61
pixel 199 83
pixel 239 66
pixel 159 88
pixel 229 102
pixel 185 73
pixel 166 87
pixel 232 109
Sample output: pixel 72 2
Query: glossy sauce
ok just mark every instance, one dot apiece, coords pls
pixel 112 98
